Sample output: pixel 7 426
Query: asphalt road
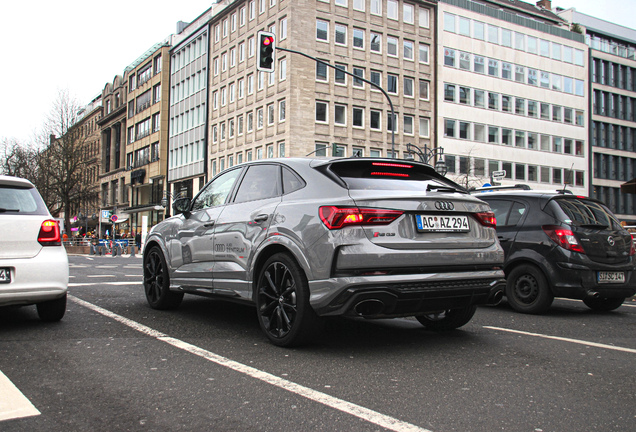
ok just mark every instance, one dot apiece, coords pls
pixel 114 364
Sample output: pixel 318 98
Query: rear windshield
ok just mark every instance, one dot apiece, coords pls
pixel 16 200
pixel 588 213
pixel 390 175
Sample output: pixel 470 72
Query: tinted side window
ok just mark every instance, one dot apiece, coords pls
pixel 501 210
pixel 516 212
pixel 216 192
pixel 260 182
pixel 291 182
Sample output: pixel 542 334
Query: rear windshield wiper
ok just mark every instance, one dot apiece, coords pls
pixel 4 210
pixel 442 188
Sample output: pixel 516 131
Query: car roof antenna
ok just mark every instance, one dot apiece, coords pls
pixel 565 183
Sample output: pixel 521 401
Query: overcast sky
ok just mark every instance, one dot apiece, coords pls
pixel 80 45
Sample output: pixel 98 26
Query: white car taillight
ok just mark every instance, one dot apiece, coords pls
pixel 50 234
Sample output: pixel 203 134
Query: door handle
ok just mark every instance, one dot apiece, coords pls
pixel 209 224
pixel 261 218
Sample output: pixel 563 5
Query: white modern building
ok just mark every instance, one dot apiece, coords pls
pixel 612 112
pixel 512 95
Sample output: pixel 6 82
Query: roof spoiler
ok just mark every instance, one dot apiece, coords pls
pixel 494 188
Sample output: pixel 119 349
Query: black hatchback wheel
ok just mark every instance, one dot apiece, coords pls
pixel 282 302
pixel 527 290
pixel 157 282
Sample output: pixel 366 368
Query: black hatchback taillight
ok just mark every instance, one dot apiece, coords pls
pixel 50 234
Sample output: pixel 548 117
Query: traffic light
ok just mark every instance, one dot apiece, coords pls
pixel 265 53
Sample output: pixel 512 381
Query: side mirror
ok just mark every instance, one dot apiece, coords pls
pixel 181 205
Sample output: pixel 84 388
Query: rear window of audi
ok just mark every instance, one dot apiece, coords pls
pixel 17 200
pixel 389 175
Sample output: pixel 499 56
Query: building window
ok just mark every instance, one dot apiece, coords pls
pixel 375 120
pixel 340 115
pixel 375 42
pixel 322 31
pixel 358 117
pixel 358 38
pixel 341 35
pixel 321 112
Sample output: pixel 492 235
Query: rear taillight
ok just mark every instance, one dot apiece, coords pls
pixel 339 217
pixel 487 219
pixel 50 234
pixel 632 250
pixel 563 237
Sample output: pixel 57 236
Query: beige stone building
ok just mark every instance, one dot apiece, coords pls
pixel 305 107
pixel 147 136
pixel 113 151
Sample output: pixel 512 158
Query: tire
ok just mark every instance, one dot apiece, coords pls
pixel 157 282
pixel 449 319
pixel 527 290
pixel 603 304
pixel 282 302
pixel 52 310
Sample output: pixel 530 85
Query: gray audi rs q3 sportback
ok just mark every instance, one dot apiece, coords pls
pixel 304 239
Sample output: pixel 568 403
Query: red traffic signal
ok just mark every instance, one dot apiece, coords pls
pixel 265 54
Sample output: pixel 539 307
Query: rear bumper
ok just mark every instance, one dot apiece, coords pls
pixel 579 282
pixel 404 295
pixel 34 280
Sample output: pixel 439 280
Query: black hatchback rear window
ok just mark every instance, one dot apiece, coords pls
pixel 363 174
pixel 584 212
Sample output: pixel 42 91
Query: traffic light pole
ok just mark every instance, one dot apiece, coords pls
pixel 362 79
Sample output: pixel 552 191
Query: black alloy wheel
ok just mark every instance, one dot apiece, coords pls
pixel 527 290
pixel 282 302
pixel 157 282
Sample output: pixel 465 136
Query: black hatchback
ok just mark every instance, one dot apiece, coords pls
pixel 562 245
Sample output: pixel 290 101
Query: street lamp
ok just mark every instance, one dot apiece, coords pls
pixel 427 154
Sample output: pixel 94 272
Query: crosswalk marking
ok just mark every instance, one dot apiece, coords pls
pixel 13 404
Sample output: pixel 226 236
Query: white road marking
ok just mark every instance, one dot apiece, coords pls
pixel 79 284
pixel 575 341
pixel 13 404
pixel 363 413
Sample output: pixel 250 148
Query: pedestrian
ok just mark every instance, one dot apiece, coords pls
pixel 138 241
pixel 94 244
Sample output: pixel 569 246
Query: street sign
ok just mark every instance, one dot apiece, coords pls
pixel 113 218
pixel 105 214
pixel 498 175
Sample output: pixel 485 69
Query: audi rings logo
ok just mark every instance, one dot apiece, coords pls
pixel 611 241
pixel 444 205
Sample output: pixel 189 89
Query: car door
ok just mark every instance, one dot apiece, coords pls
pixel 195 235
pixel 243 226
pixel 509 214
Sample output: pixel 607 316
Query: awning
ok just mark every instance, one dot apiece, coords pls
pixel 629 187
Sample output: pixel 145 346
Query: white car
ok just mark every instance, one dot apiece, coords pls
pixel 33 261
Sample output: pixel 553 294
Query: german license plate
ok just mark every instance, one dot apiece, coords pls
pixel 5 275
pixel 611 277
pixel 443 223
